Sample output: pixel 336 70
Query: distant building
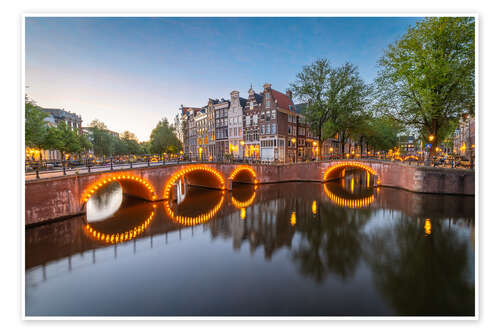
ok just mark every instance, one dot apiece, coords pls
pixel 56 116
pixel 188 115
pixel 464 137
pixel 407 145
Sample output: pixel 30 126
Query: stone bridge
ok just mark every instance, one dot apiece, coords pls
pixel 60 197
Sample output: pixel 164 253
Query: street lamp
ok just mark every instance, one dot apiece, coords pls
pixel 200 150
pixel 431 138
pixel 294 151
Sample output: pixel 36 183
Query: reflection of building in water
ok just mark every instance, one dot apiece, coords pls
pixel 267 219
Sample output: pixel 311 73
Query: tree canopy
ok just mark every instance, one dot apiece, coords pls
pixel 426 79
pixel 164 139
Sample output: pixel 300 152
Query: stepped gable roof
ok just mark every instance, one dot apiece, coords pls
pixel 283 100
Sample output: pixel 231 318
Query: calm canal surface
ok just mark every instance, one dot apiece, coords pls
pixel 339 249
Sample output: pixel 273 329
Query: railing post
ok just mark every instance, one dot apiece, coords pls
pixel 148 161
pixel 111 162
pixel 64 167
pixel 37 174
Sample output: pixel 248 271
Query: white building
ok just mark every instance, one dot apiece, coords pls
pixel 235 124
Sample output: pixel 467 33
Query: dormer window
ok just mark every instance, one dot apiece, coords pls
pixel 251 105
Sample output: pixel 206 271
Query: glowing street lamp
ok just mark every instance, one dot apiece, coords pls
pixel 431 138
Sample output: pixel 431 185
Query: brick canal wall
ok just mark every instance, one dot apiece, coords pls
pixel 59 197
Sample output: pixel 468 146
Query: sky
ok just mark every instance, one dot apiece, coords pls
pixel 131 72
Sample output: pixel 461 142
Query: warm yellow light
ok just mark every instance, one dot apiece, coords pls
pixel 431 138
pixel 331 150
pixel 315 143
pixel 314 207
pixel 242 142
pixel 293 219
pixel 293 140
pixel 428 227
pixel 243 213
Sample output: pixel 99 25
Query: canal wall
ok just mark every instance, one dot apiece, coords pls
pixel 59 197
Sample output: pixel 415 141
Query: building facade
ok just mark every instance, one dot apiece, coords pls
pixel 235 125
pixel 464 141
pixel 221 129
pixel 251 130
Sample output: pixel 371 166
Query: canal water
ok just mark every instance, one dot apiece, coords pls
pixel 343 248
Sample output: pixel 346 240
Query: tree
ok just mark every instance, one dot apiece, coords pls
pixel 382 132
pixel 101 138
pixel 130 141
pixel 426 79
pixel 312 86
pixel 164 139
pixel 336 99
pixel 63 139
pixel 35 126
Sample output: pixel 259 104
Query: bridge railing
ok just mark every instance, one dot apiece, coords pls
pixel 44 169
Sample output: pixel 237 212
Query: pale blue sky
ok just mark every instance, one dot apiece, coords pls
pixel 131 72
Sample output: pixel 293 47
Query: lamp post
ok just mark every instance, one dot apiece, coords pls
pixel 294 151
pixel 200 150
pixel 315 149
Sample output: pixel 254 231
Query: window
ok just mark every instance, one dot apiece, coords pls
pixel 273 115
pixel 268 104
pixel 262 115
pixel 268 95
pixel 248 120
pixel 251 105
pixel 273 128
pixel 289 129
pixel 263 129
pixel 239 131
pixel 255 119
pixel 268 129
pixel 268 116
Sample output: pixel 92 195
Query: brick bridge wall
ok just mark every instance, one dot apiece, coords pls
pixel 53 198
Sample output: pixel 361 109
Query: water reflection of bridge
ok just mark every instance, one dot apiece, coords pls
pixel 265 225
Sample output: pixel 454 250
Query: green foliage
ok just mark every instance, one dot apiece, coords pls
pixel 336 98
pixel 35 126
pixel 164 138
pixel 426 79
pixel 382 133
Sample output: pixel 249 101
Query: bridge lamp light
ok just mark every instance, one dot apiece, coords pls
pixel 431 138
pixel 242 143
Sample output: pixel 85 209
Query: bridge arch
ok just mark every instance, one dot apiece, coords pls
pixel 334 170
pixel 244 174
pixel 198 175
pixel 131 184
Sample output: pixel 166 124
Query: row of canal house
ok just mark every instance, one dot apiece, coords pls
pixel 266 126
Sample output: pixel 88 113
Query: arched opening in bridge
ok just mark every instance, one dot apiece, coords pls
pixel 130 184
pixel 193 175
pixel 244 174
pixel 338 171
pixel 200 206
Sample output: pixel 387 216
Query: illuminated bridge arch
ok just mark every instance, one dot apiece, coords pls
pixel 244 174
pixel 333 170
pixel 200 175
pixel 349 202
pixel 194 220
pixel 131 185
